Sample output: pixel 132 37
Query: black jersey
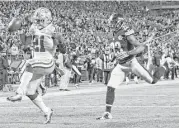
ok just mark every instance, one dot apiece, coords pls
pixel 121 36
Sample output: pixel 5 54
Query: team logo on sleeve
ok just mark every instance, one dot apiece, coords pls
pixel 120 37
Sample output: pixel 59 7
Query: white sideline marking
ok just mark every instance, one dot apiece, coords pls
pixel 96 107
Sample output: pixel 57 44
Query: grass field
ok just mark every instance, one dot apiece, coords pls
pixel 136 106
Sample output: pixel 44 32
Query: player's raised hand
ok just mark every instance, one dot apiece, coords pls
pixel 152 35
pixel 122 55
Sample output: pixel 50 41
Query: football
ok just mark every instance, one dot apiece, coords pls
pixel 14 25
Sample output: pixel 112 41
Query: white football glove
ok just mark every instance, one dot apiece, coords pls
pixel 122 55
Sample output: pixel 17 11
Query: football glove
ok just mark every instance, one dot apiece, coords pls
pixel 122 55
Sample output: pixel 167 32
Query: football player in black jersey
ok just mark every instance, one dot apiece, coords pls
pixel 127 62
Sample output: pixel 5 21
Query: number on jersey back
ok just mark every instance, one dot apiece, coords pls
pixel 38 43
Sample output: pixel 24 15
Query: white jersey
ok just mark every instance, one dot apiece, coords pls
pixel 43 42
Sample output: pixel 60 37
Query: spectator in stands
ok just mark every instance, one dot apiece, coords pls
pixel 80 65
pixel 76 77
pixel 14 50
pixel 157 58
pixel 176 67
pixel 66 67
pixel 154 60
pixel 106 58
pixel 81 26
pixel 90 61
pixel 171 67
pixel 3 71
pixel 99 70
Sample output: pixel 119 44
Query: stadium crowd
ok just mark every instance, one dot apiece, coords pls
pixel 88 37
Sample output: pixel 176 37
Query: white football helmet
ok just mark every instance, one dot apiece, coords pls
pixel 42 16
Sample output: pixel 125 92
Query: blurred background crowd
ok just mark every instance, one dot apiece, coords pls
pixel 88 37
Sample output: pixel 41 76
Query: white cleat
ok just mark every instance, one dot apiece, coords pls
pixel 15 98
pixel 48 117
pixel 127 80
pixel 77 85
pixel 105 116
pixel 136 80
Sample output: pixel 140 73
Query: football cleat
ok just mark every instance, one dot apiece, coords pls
pixel 15 98
pixel 66 90
pixel 77 85
pixel 159 72
pixel 106 115
pixel 127 80
pixel 136 80
pixel 48 116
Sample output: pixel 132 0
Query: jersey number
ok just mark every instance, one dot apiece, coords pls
pixel 39 45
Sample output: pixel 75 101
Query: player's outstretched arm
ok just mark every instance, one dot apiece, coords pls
pixel 140 47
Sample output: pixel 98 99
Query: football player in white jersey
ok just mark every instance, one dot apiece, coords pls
pixel 127 61
pixel 42 63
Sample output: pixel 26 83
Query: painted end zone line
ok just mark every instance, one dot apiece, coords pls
pixel 11 107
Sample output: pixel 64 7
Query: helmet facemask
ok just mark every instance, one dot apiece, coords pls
pixel 115 20
pixel 42 17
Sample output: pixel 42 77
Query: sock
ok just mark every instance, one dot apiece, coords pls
pixel 37 100
pixel 26 77
pixel 110 96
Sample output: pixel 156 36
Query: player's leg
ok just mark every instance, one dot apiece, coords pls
pixel 26 77
pixel 44 67
pixel 42 86
pixel 38 101
pixel 139 70
pixel 75 69
pixel 34 96
pixel 77 75
pixel 117 77
pixel 127 79
pixel 33 66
